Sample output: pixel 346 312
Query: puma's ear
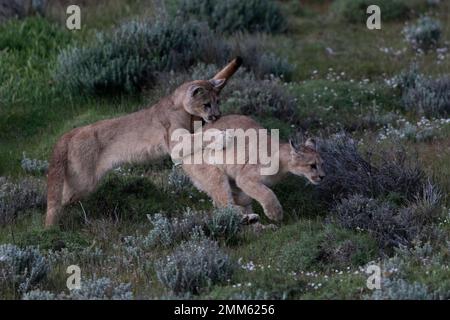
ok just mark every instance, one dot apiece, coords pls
pixel 195 90
pixel 310 143
pixel 217 83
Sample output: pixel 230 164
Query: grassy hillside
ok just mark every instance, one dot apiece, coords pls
pixel 377 100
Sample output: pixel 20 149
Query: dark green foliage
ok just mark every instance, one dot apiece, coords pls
pixel 332 248
pixel 127 59
pixel 261 98
pixel 235 15
pixel 259 58
pixel 52 239
pixel 375 173
pixel 126 197
pixel 390 225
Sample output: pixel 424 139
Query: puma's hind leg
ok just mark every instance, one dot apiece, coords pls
pixel 217 185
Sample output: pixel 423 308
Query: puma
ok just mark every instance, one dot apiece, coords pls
pixel 238 184
pixel 84 155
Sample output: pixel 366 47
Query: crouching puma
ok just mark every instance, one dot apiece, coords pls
pixel 237 184
pixel 84 155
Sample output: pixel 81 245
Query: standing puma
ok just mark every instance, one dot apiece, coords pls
pixel 238 184
pixel 82 156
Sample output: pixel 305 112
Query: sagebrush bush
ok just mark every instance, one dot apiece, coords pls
pixel 349 171
pixel 127 59
pixel 399 289
pixel 194 266
pixel 424 34
pixel 424 95
pixel 21 269
pixel 18 196
pixel 391 225
pixel 167 232
pixel 33 165
pixel 258 58
pixel 178 181
pixel 261 98
pixel 235 15
pixel 222 224
pixel 93 289
pixel 39 295
pixel 101 289
pixel 354 11
pixel 225 223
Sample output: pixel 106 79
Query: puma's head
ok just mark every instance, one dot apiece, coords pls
pixel 306 161
pixel 201 99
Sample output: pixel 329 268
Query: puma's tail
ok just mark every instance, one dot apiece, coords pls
pixel 229 69
pixel 55 180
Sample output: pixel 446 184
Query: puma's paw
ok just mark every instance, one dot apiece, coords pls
pixel 250 218
pixel 274 211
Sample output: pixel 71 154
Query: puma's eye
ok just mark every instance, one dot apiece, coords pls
pixel 314 166
pixel 207 106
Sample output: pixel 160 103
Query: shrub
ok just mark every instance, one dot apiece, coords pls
pixel 178 181
pixel 18 196
pixel 235 15
pixel 349 171
pixel 162 232
pixel 225 223
pixel 354 11
pixel 193 267
pixel 21 268
pixel 128 58
pixel 261 98
pixel 399 289
pixel 93 289
pixel 166 231
pixel 101 289
pixel 424 95
pixel 390 225
pixel 39 295
pixel 424 34
pixel 33 165
pixel 257 57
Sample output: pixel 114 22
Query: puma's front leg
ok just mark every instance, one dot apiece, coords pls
pixel 244 201
pixel 264 195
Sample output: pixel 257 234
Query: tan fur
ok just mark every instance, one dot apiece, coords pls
pixel 238 184
pixel 84 155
